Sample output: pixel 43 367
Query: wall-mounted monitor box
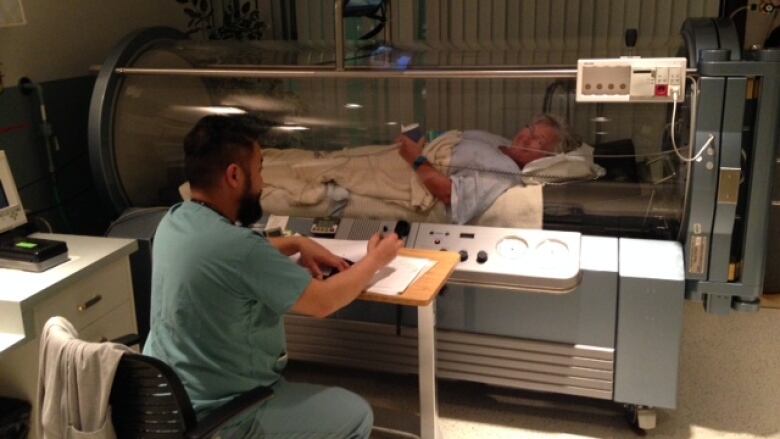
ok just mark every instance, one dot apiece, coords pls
pixel 631 79
pixel 11 210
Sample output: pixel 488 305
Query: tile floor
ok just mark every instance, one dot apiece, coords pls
pixel 729 387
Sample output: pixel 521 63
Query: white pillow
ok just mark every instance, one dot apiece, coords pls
pixel 574 165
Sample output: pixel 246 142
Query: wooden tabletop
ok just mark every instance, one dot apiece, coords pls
pixel 424 289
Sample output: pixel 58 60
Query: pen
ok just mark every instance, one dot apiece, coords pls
pixel 333 271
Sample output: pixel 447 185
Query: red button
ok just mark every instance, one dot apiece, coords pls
pixel 662 90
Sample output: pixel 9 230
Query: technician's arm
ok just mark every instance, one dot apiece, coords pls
pixel 287 245
pixel 313 255
pixel 438 184
pixel 324 297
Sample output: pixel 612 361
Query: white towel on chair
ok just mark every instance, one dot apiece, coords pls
pixel 74 383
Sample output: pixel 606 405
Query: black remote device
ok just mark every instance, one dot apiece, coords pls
pixel 413 132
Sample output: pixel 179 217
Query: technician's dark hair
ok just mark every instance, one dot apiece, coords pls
pixel 217 141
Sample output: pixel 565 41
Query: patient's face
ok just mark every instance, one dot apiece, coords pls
pixel 534 142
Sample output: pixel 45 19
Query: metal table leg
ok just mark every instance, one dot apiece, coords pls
pixel 429 412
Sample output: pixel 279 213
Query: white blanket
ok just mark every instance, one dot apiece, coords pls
pixel 380 184
pixel 375 171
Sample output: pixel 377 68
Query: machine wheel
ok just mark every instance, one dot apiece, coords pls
pixel 641 418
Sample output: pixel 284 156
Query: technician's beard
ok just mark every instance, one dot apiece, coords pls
pixel 250 210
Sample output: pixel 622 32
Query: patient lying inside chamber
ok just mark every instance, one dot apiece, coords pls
pixel 457 177
pixel 483 166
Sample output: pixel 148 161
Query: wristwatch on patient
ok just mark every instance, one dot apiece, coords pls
pixel 419 161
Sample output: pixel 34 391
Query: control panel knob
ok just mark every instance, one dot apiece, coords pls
pixel 463 255
pixel 402 228
pixel 482 256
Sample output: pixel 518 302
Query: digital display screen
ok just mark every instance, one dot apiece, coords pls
pixel 467 235
pixel 3 198
pixel 11 213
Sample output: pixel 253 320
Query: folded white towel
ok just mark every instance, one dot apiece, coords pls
pixel 74 383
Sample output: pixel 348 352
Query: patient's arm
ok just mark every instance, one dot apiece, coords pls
pixel 439 185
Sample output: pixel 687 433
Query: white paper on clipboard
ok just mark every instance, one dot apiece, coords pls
pixel 390 280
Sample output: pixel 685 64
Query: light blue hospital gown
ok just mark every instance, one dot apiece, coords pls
pixel 480 173
pixel 219 293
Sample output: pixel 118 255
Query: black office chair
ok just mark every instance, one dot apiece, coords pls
pixel 148 401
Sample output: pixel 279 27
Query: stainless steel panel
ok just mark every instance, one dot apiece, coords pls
pixel 516 363
pixel 502 257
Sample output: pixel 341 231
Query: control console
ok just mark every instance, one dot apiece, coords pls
pixel 504 257
pixel 533 260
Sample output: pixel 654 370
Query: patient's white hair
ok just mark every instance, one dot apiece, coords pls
pixel 568 141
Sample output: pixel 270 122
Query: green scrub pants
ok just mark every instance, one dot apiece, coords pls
pixel 303 411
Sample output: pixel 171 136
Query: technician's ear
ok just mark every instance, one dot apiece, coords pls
pixel 234 176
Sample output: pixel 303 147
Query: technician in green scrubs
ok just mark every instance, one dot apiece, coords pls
pixel 219 292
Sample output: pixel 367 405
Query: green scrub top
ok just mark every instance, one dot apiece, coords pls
pixel 219 293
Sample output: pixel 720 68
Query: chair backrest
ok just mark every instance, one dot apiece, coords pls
pixel 149 401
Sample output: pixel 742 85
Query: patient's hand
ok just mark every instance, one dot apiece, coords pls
pixel 410 150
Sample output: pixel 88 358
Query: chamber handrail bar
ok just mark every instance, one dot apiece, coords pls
pixel 353 73
pixel 360 73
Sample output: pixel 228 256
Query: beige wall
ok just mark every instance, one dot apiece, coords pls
pixel 63 38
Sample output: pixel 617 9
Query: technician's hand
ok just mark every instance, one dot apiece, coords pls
pixel 315 256
pixel 384 250
pixel 409 150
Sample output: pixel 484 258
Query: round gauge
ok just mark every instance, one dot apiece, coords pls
pixel 550 250
pixel 512 247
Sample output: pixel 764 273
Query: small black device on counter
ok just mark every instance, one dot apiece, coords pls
pixel 32 254
pixel 16 250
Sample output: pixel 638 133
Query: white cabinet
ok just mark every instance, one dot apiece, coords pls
pixel 93 290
